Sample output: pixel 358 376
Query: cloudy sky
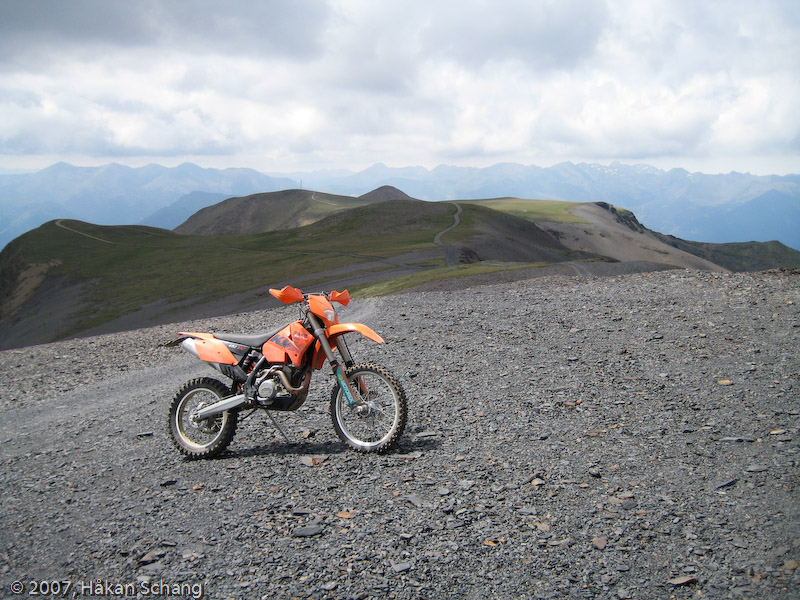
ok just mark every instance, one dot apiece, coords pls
pixel 298 85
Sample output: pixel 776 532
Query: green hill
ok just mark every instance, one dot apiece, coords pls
pixel 271 211
pixel 70 277
pixel 91 274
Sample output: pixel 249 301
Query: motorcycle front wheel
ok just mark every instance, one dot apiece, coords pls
pixel 375 422
pixel 200 438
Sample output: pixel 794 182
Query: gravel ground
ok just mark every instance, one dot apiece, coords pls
pixel 633 436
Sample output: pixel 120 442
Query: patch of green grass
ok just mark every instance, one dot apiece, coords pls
pixel 472 217
pixel 533 210
pixel 398 284
pixel 384 229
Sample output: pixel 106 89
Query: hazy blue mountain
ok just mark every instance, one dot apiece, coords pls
pixel 114 194
pixel 14 221
pixel 734 207
pixel 176 213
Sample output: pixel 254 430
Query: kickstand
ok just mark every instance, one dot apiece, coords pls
pixel 278 427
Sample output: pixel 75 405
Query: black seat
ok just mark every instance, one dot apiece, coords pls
pixel 253 340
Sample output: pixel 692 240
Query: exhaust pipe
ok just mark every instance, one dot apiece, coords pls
pixel 219 407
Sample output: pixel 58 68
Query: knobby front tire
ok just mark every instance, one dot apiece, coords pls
pixel 209 437
pixel 377 419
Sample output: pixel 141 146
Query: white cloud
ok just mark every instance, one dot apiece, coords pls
pixel 300 85
pixel 554 34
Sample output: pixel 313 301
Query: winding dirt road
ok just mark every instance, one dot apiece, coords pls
pixel 60 223
pixel 450 258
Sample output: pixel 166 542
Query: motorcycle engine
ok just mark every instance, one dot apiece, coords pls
pixel 275 390
pixel 267 390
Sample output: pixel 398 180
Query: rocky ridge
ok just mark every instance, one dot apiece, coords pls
pixel 633 436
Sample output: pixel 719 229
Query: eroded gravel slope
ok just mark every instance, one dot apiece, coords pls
pixel 622 437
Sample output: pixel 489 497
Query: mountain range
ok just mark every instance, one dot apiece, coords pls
pixel 734 207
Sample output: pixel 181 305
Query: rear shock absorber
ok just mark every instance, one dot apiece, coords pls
pixel 247 367
pixel 249 361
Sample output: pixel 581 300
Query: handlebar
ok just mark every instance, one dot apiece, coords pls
pixel 289 294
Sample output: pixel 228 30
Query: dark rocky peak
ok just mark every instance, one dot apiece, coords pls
pixel 385 193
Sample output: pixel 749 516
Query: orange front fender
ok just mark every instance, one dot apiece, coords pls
pixel 335 331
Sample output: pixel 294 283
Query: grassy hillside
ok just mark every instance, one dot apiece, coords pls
pixel 272 211
pixel 744 256
pixel 82 275
pixel 124 268
pixel 740 256
pixel 533 210
pixel 382 229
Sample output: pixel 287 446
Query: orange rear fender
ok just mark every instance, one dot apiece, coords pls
pixel 202 336
pixel 210 349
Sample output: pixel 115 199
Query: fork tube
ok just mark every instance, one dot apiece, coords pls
pixel 319 331
pixel 341 345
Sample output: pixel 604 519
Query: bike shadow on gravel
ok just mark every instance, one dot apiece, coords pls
pixel 327 448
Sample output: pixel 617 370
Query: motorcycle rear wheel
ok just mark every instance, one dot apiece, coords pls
pixel 209 437
pixel 377 419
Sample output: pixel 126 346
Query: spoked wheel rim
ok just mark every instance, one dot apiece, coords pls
pixel 376 419
pixel 199 434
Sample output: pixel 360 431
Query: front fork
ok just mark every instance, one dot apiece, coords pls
pixel 344 351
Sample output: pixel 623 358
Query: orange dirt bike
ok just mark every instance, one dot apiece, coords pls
pixel 272 371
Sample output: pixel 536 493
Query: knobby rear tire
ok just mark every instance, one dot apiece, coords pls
pixel 377 426
pixel 204 439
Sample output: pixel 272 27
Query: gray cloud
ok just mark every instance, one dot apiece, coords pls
pixel 45 28
pixel 31 24
pixel 345 83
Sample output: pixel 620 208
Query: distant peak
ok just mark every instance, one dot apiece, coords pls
pixel 384 194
